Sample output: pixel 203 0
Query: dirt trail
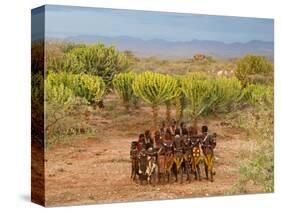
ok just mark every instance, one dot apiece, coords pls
pixel 92 171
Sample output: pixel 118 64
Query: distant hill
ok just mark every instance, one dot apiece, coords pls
pixel 170 49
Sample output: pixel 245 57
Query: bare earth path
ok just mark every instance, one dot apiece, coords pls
pixel 90 171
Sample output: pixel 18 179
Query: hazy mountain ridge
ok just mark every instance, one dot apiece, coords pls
pixel 179 49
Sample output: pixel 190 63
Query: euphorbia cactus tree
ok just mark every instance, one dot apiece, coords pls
pixel 155 88
pixel 198 91
pixel 123 84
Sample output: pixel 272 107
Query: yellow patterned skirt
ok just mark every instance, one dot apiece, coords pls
pixel 178 159
pixel 195 159
pixel 209 161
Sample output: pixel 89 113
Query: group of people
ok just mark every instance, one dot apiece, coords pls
pixel 173 150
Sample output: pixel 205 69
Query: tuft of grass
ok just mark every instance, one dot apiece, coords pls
pixel 91 196
pixel 61 170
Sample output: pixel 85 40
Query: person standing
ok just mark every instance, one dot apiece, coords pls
pixel 208 144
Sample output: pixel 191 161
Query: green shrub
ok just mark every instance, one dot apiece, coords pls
pixel 66 121
pixel 92 88
pixel 99 60
pixel 63 63
pixel 226 92
pixel 58 93
pixel 67 104
pixel 255 94
pixel 252 65
pixel 123 84
pixel 205 94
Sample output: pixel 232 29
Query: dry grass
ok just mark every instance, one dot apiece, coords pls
pixel 184 66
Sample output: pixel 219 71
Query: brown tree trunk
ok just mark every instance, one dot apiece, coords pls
pixel 195 125
pixel 179 110
pixel 126 105
pixel 100 104
pixel 168 111
pixel 155 116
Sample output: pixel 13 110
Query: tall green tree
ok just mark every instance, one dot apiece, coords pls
pixel 155 88
pixel 198 91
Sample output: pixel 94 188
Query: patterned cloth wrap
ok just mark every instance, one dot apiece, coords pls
pixel 151 166
pixel 209 161
pixel 178 159
pixel 169 160
pixel 142 162
pixel 208 145
pixel 195 157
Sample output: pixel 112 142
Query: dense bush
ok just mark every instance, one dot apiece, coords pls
pixel 58 59
pixel 123 84
pixel 155 88
pixel 91 88
pixel 251 67
pixel 58 93
pixel 63 121
pixel 67 99
pixel 255 94
pixel 206 94
pixel 99 60
pixel 61 62
pixel 226 92
pixel 86 86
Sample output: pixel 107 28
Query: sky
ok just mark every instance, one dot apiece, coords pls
pixel 67 21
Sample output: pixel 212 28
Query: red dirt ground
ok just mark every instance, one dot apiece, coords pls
pixel 97 170
pixel 90 171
